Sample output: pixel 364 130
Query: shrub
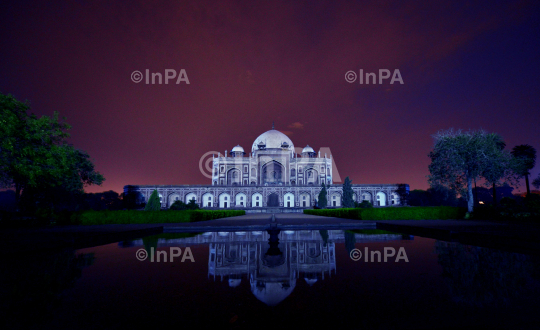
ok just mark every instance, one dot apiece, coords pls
pixel 414 213
pixel 394 213
pixel 348 193
pixel 153 202
pixel 139 217
pixel 178 206
pixel 507 202
pixel 322 201
pixel 509 209
pixel 363 205
pixel 192 205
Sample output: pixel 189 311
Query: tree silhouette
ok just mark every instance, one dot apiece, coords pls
pixel 36 157
pixel 132 197
pixel 458 158
pixel 527 155
pixel 536 182
pixel 501 169
pixel 153 202
pixel 348 200
pixel 350 241
pixel 322 198
pixel 403 193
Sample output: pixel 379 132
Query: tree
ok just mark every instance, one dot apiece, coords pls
pixel 324 235
pixel 527 155
pixel 350 241
pixel 434 196
pixel 322 198
pixel 502 169
pixel 536 182
pixel 132 197
pixel 192 205
pixel 460 157
pixel 441 196
pixel 153 202
pixel 7 201
pixel 178 206
pixel 35 157
pixel 419 197
pixel 403 193
pixel 348 200
pixel 363 205
pixel 482 194
pixel 107 200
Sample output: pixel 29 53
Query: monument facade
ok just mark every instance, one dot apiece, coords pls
pixel 273 175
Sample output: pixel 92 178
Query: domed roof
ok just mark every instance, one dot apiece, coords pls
pixel 308 149
pixel 234 282
pixel 238 148
pixel 272 293
pixel 272 139
pixel 310 281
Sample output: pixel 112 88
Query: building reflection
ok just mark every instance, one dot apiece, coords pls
pixel 273 261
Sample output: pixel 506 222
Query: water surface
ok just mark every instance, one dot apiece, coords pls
pixel 300 278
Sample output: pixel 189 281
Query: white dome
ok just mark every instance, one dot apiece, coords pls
pixel 234 282
pixel 238 148
pixel 308 149
pixel 310 281
pixel 273 139
pixel 272 293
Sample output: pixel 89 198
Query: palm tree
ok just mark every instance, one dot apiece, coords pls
pixel 527 154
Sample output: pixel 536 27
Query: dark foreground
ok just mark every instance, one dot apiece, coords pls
pixel 272 279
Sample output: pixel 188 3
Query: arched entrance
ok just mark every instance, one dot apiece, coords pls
pixel 233 177
pixel 288 200
pixel 381 199
pixel 273 200
pixel 272 173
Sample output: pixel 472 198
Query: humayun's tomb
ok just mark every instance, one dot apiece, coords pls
pixel 272 178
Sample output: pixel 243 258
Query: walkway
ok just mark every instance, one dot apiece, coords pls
pixel 523 238
pixel 289 221
pixel 44 239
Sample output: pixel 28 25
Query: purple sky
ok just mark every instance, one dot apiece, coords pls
pixel 472 65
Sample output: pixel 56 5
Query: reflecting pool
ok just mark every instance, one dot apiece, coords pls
pixel 276 278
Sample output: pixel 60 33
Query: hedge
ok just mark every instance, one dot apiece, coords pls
pixel 395 213
pixel 415 213
pixel 139 217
